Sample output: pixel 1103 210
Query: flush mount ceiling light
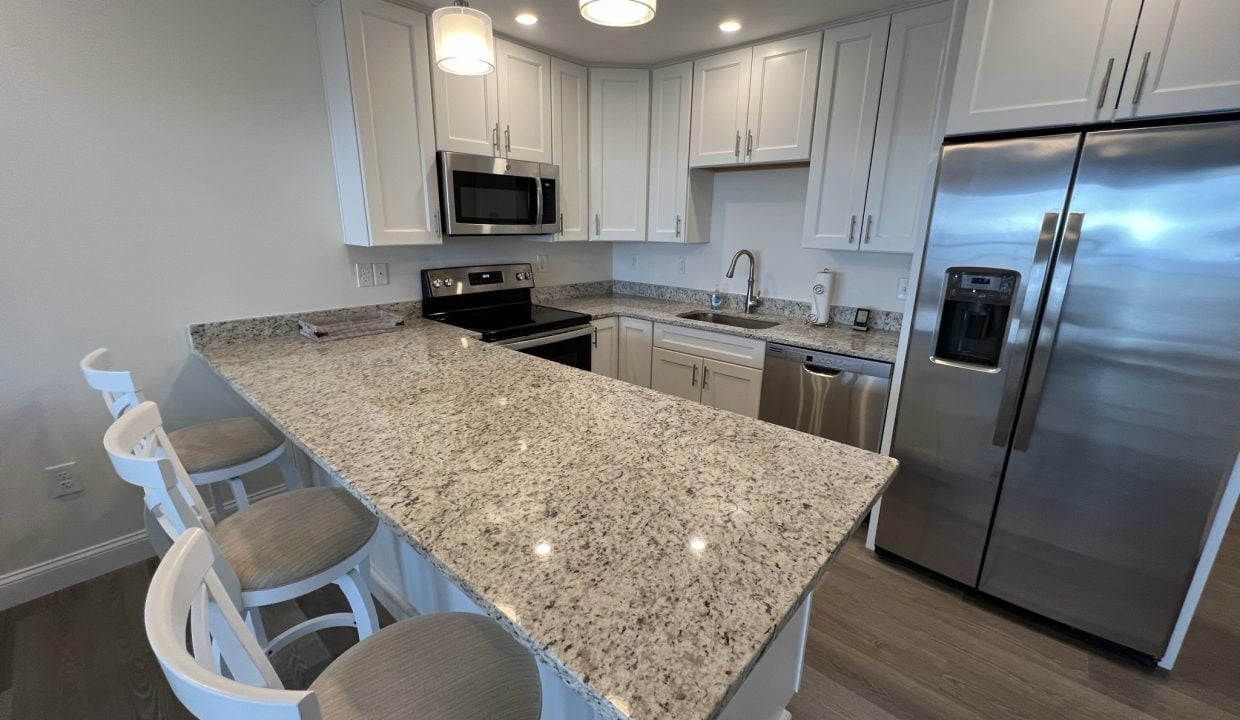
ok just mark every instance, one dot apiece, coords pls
pixel 617 13
pixel 729 26
pixel 464 44
pixel 527 18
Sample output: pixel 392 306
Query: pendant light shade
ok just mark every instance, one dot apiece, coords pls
pixel 617 13
pixel 464 44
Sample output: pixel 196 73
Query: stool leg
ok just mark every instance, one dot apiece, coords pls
pixel 288 468
pixel 356 587
pixel 239 493
pixel 217 501
pixel 254 619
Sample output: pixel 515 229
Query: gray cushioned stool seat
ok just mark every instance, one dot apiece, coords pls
pixel 222 443
pixel 446 666
pixel 294 535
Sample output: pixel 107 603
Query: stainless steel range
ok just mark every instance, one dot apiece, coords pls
pixel 496 301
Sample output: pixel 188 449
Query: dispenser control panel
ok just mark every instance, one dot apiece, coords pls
pixel 974 317
pixel 992 287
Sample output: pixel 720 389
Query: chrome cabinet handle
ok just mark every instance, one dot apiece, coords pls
pixel 1145 64
pixel 737 149
pixel 705 376
pixel 495 138
pixel 852 228
pixel 508 139
pixel 438 225
pixel 598 225
pixel 869 227
pixel 693 383
pixel 1106 80
pixel 749 143
pixel 677 226
pixel 595 333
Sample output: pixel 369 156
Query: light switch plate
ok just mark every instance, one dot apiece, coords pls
pixel 379 273
pixel 540 261
pixel 902 288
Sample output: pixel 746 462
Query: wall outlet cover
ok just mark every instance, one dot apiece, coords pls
pixel 365 274
pixel 680 265
pixel 64 479
pixel 902 288
pixel 633 261
pixel 379 273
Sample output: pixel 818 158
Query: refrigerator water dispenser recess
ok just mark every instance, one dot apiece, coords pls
pixel 974 318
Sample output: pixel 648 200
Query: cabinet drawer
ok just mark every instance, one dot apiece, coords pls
pixel 716 346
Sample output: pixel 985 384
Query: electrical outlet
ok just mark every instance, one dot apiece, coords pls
pixel 633 261
pixel 680 265
pixel 379 273
pixel 64 479
pixel 365 275
pixel 902 288
pixel 540 262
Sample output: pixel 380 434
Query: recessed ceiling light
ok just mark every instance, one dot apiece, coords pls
pixel 618 13
pixel 527 18
pixel 729 26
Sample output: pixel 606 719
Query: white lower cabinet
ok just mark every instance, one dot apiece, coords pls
pixel 603 353
pixel 634 338
pixel 675 373
pixel 699 374
pixel 731 387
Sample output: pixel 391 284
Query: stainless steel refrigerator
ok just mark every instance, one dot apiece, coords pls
pixel 1071 404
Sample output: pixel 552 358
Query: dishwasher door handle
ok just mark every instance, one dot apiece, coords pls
pixel 821 371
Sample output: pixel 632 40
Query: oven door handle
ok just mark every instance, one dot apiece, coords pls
pixel 554 337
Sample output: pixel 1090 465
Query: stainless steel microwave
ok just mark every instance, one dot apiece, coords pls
pixel 495 196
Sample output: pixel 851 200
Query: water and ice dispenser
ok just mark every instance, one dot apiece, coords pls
pixel 974 318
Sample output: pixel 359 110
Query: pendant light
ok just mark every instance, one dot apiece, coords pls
pixel 617 13
pixel 464 44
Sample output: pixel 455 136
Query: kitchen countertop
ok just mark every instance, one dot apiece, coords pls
pixel 872 345
pixel 674 539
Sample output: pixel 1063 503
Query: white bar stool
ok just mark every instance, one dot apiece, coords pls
pixel 212 452
pixel 280 548
pixel 449 666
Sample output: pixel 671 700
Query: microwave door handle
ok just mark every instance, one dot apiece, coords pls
pixel 538 217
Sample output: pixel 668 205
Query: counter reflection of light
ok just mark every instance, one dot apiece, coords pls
pixel 503 402
pixel 508 611
pixel 697 544
pixel 523 445
pixel 542 549
pixel 464 342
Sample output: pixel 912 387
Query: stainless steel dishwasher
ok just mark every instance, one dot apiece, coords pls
pixel 833 396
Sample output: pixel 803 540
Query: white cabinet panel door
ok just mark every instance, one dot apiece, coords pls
pixel 1030 64
pixel 569 146
pixel 603 354
pixel 720 108
pixel 782 91
pixel 676 374
pixel 619 153
pixel 905 145
pixel 634 345
pixel 524 79
pixel 730 387
pixel 376 67
pixel 1190 53
pixel 848 93
pixel 671 102
pixel 467 113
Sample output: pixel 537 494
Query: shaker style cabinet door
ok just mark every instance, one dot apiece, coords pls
pixel 619 153
pixel 603 355
pixel 467 113
pixel 1185 59
pixel 635 343
pixel 670 105
pixel 1051 62
pixel 730 387
pixel 720 108
pixel 848 94
pixel 376 75
pixel 569 143
pixel 676 374
pixel 782 90
pixel 524 79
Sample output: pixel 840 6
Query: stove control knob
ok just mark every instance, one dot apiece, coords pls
pixel 448 282
pixel 435 282
pixel 523 276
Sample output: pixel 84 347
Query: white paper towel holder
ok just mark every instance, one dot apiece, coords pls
pixel 820 311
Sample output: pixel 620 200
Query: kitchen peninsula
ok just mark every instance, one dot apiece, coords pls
pixel 656 554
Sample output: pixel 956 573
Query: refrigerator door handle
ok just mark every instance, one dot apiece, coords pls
pixel 1049 332
pixel 1022 329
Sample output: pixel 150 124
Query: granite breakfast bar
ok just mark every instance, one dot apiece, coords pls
pixel 657 555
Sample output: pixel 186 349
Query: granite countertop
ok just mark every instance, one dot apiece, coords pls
pixel 872 345
pixel 674 539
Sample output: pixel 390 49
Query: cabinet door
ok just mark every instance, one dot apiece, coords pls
pixel 1186 58
pixel 569 143
pixel 634 345
pixel 467 113
pixel 376 71
pixel 782 91
pixel 676 374
pixel 619 152
pixel 848 90
pixel 731 387
pixel 524 79
pixel 671 103
pixel 905 144
pixel 1030 64
pixel 603 357
pixel 720 108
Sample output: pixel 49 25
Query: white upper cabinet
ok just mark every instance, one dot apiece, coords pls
pixel 848 95
pixel 720 108
pixel 670 105
pixel 569 145
pixel 1186 58
pixel 524 79
pixel 782 89
pixel 619 153
pixel 467 113
pixel 1050 62
pixel 376 75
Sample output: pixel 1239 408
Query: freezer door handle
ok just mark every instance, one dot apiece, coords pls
pixel 1022 326
pixel 1049 332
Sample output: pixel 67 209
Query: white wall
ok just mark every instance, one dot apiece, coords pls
pixel 162 162
pixel 762 210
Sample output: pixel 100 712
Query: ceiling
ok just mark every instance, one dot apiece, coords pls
pixel 680 28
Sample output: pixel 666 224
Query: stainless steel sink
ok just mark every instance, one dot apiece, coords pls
pixel 721 319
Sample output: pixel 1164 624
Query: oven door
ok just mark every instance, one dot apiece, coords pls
pixel 490 196
pixel 567 347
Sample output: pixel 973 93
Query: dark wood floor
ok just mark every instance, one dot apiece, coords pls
pixel 886 642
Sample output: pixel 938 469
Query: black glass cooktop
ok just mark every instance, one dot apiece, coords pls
pixel 505 322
